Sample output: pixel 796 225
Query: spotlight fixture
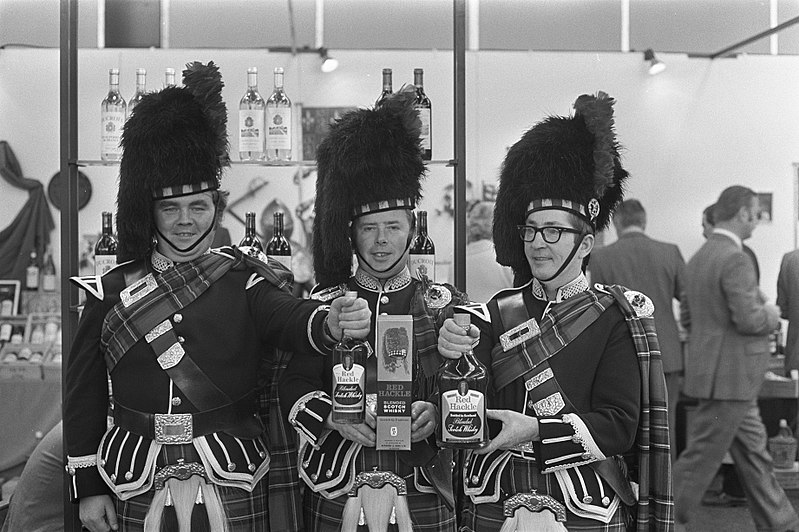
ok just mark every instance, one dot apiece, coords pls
pixel 329 64
pixel 656 66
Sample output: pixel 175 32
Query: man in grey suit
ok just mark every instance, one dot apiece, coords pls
pixel 656 269
pixel 726 359
pixel 788 301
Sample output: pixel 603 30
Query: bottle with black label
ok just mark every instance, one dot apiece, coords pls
pixel 462 385
pixel 251 239
pixel 105 251
pixel 349 379
pixel 422 256
pixel 278 247
pixel 425 110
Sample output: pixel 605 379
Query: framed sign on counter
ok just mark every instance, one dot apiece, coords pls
pixel 9 297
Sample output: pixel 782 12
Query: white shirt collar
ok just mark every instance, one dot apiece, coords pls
pixel 735 238
pixel 370 282
pixel 576 286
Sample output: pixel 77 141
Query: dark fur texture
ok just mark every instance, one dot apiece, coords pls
pixel 574 158
pixel 369 155
pixel 176 136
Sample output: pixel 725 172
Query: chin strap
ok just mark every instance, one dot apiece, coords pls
pixel 197 243
pixel 568 259
pixel 362 258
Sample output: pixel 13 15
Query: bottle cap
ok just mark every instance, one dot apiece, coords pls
pixel 783 423
pixel 462 320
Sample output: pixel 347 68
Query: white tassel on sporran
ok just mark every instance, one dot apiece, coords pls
pixel 377 505
pixel 524 520
pixel 184 494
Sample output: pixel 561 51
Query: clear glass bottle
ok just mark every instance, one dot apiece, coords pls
pixel 32 272
pixel 251 239
pixel 141 89
pixel 387 86
pixel 48 271
pixel 425 110
pixel 462 385
pixel 5 331
pixel 169 77
pixel 251 120
pixel 278 122
pixel 349 379
pixel 105 250
pixel 278 246
pixel 422 256
pixel 112 117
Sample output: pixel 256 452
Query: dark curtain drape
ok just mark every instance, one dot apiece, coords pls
pixel 32 226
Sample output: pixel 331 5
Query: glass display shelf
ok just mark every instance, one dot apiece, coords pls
pixel 98 162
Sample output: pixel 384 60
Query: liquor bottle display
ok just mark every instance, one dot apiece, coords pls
pixel 5 331
pixel 387 88
pixel 462 385
pixel 112 118
pixel 278 122
pixel 278 247
pixel 48 271
pixel 105 251
pixel 32 273
pixel 422 256
pixel 349 379
pixel 169 77
pixel 251 120
pixel 141 89
pixel 250 236
pixel 425 110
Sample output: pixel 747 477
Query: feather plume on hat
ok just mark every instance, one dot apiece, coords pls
pixel 567 163
pixel 174 143
pixel 370 161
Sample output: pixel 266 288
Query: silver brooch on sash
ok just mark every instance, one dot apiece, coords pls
pixel 437 296
pixel 641 304
pixel 138 290
pixel 519 334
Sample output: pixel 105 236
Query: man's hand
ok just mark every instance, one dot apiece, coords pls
pixel 424 419
pixel 516 428
pixel 97 513
pixel 349 315
pixel 454 340
pixel 363 433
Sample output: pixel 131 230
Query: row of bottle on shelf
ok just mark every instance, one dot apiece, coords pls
pixel 421 260
pixel 264 126
pixel 39 275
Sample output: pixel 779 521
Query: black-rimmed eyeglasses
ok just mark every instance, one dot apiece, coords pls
pixel 550 233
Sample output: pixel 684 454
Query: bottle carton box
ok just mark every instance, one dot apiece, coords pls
pixel 394 349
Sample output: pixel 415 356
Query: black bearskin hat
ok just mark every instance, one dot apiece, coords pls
pixel 567 163
pixel 370 161
pixel 174 143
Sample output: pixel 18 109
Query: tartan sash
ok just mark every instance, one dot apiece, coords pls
pixel 562 324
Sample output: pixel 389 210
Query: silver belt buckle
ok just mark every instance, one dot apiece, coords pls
pixel 173 429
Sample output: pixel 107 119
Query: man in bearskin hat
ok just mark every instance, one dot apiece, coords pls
pixel 369 170
pixel 184 332
pixel 576 376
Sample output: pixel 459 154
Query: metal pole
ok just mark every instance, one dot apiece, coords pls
pixel 752 39
pixel 69 206
pixel 459 83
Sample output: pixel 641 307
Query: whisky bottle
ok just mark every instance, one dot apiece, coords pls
pixel 349 379
pixel 48 271
pixel 278 247
pixel 169 77
pixel 387 89
pixel 112 118
pixel 278 122
pixel 141 89
pixel 251 120
pixel 5 331
pixel 105 251
pixel 250 240
pixel 462 385
pixel 32 273
pixel 425 110
pixel 422 256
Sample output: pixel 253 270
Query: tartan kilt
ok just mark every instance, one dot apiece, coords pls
pixel 523 476
pixel 246 512
pixel 428 511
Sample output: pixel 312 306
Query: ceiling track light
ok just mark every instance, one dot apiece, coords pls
pixel 329 64
pixel 656 66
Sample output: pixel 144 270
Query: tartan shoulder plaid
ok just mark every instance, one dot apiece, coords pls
pixel 655 509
